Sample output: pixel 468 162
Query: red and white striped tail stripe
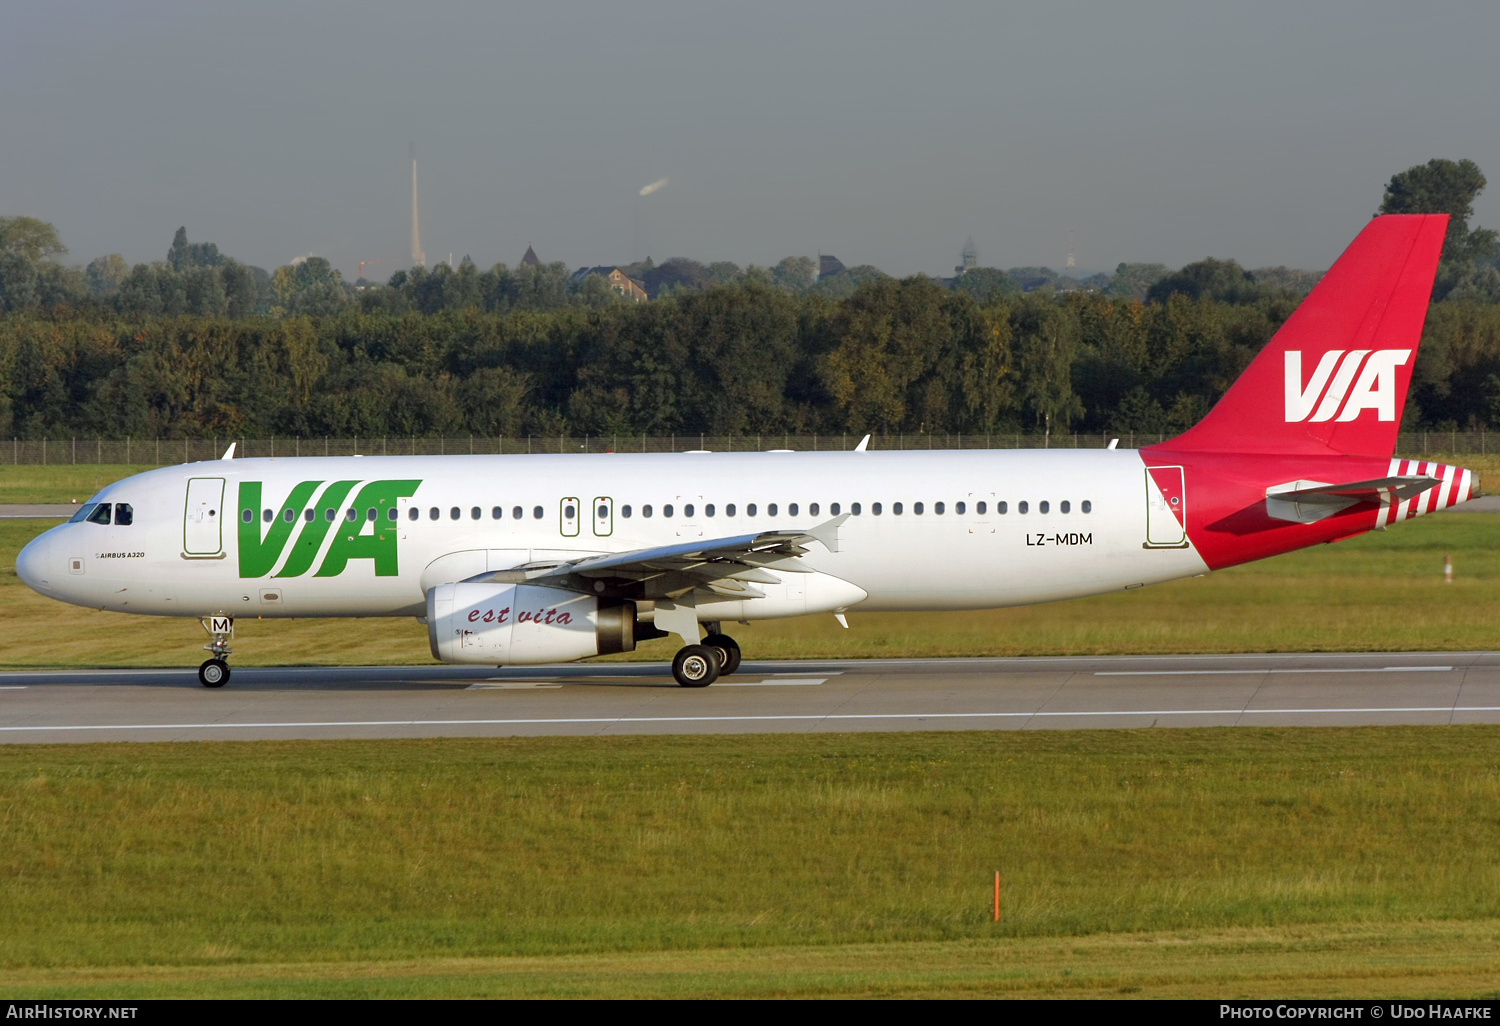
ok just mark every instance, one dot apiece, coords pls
pixel 1457 486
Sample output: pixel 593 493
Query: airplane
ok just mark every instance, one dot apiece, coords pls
pixel 528 560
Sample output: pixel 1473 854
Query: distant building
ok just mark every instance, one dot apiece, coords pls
pixel 621 282
pixel 530 259
pixel 828 265
pixel 970 258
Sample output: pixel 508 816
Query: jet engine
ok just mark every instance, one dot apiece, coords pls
pixel 524 625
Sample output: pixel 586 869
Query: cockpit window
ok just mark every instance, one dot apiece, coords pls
pixel 100 514
pixel 125 514
pixel 83 513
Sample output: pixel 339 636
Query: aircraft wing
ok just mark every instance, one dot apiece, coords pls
pixel 723 567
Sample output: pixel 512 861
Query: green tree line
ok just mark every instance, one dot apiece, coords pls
pixel 907 356
pixel 199 345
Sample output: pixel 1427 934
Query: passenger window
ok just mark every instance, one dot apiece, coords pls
pixel 267 515
pixel 791 509
pixel 853 509
pixel 896 509
pixel 958 508
pixel 771 510
pixel 1065 506
pixel 515 513
pixel 666 510
pixel 246 515
pixel 537 512
pixel 307 515
pixel 413 514
pixel 1021 506
pixel 1088 507
pixel 351 514
pixel 750 509
pixel 979 507
pixel 1043 506
pixel 125 514
pixel 329 514
pixel 812 510
pixel 454 513
pixel 916 508
pixel 625 512
pixel 874 508
pixel 646 512
pixel 392 514
pixel 372 514
pixel 1001 508
pixel 475 513
pixel 687 511
pixel 834 509
pixel 708 510
pixel 729 510
pixel 433 513
pixel 498 513
pixel 289 515
pixel 937 507
pixel 100 514
pixel 569 512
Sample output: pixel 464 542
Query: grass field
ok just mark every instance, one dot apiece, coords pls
pixel 28 483
pixel 1220 862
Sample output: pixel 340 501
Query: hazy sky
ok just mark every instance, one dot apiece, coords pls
pixel 882 133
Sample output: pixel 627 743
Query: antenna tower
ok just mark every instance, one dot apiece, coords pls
pixel 418 258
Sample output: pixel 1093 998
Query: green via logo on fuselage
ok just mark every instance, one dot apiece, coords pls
pixel 362 530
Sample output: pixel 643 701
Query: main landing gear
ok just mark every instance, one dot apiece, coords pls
pixel 214 673
pixel 698 666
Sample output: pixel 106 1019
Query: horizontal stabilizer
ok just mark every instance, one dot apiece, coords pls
pixel 1382 489
pixel 1309 501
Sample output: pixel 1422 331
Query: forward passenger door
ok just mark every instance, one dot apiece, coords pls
pixel 203 516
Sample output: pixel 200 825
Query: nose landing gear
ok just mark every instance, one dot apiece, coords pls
pixel 214 672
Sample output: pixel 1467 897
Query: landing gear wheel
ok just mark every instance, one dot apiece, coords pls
pixel 214 673
pixel 728 650
pixel 696 666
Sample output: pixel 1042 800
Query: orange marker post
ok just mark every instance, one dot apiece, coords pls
pixel 997 896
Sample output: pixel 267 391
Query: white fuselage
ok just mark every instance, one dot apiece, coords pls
pixel 970 546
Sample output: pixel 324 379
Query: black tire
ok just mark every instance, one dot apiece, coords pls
pixel 729 652
pixel 214 673
pixel 696 666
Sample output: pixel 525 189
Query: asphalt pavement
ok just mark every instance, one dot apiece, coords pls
pixel 764 697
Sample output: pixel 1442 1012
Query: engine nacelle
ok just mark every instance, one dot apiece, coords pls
pixel 524 625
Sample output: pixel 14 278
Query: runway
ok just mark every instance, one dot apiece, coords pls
pixel 764 697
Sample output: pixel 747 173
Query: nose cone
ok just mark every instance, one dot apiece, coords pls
pixel 34 564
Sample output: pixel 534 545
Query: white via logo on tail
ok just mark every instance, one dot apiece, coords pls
pixel 1375 388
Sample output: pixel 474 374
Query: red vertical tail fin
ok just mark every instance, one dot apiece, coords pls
pixel 1333 380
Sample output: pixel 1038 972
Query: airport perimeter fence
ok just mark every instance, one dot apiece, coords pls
pixel 164 451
